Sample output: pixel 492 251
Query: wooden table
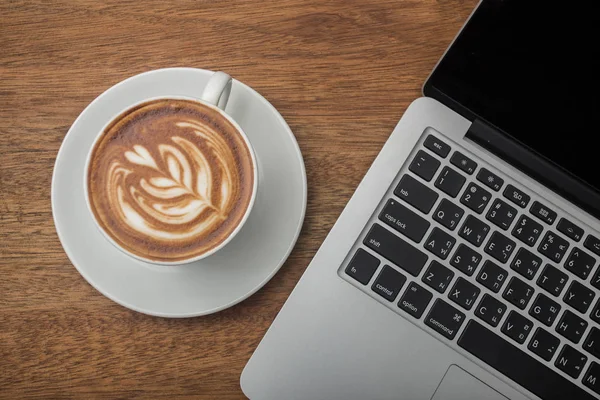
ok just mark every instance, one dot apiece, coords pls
pixel 340 72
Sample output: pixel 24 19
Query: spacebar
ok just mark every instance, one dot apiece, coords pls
pixel 518 366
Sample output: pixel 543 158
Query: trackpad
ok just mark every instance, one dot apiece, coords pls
pixel 460 385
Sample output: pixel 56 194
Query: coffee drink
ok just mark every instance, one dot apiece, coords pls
pixel 170 179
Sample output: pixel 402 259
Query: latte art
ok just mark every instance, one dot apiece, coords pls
pixel 170 180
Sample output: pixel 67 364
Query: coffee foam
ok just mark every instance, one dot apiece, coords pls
pixel 170 179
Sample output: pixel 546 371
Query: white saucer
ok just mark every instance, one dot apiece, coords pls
pixel 214 283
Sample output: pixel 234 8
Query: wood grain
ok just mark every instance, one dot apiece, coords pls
pixel 340 72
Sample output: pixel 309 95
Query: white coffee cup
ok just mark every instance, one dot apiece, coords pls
pixel 215 95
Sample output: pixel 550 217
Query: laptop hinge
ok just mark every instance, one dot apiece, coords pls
pixel 536 166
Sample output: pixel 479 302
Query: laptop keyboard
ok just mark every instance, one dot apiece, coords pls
pixel 467 254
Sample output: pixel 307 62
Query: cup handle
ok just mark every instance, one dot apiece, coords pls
pixel 217 90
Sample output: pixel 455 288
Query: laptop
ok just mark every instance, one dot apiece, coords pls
pixel 466 264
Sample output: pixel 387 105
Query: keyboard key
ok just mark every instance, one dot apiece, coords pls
pixel 500 247
pixel 416 194
pixel 440 243
pixel 592 243
pixel 591 378
pixel 517 327
pixel 595 314
pixel 518 293
pixel 570 361
pixel 474 231
pixel 463 162
pixel 424 165
pixel 501 214
pixel 490 179
pixel 404 220
pixel 544 309
pixel 526 263
pixel 580 263
pixel 414 300
pixel 475 197
pixel 464 293
pixel 542 212
pixel 490 310
pixel 543 344
pixel 388 283
pixel 491 276
pixel 437 146
pixel 437 276
pixel 444 319
pixel 516 196
pixel 579 297
pixel 527 230
pixel 517 365
pixel 570 229
pixel 554 247
pixel 592 342
pixel 571 326
pixel 448 214
pixel 552 280
pixel 465 259
pixel 395 249
pixel 596 279
pixel 450 182
pixel 362 266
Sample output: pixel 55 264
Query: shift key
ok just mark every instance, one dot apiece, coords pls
pixel 395 249
pixel 404 220
pixel 416 194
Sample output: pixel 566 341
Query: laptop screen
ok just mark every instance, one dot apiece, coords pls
pixel 532 69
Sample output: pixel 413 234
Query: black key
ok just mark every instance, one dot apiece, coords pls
pixel 552 280
pixel 517 365
pixel 554 247
pixel 464 293
pixel 489 179
pixel 543 344
pixel 591 378
pixel 579 297
pixel 571 326
pixel 544 309
pixel 388 283
pixel 490 310
pixel 465 259
pixel 580 263
pixel 474 230
pixel 475 197
pixel 596 279
pixel 362 266
pixel 595 314
pixel 437 146
pixel 542 212
pixel 395 249
pixel 526 263
pixel 437 276
pixel 517 327
pixel 518 293
pixel 415 300
pixel 501 214
pixel 404 220
pixel 416 194
pixel 592 243
pixel 463 162
pixel 450 182
pixel 440 243
pixel 425 165
pixel 527 230
pixel 570 229
pixel 444 318
pixel 500 247
pixel 570 361
pixel 592 342
pixel 448 214
pixel 516 196
pixel 491 276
